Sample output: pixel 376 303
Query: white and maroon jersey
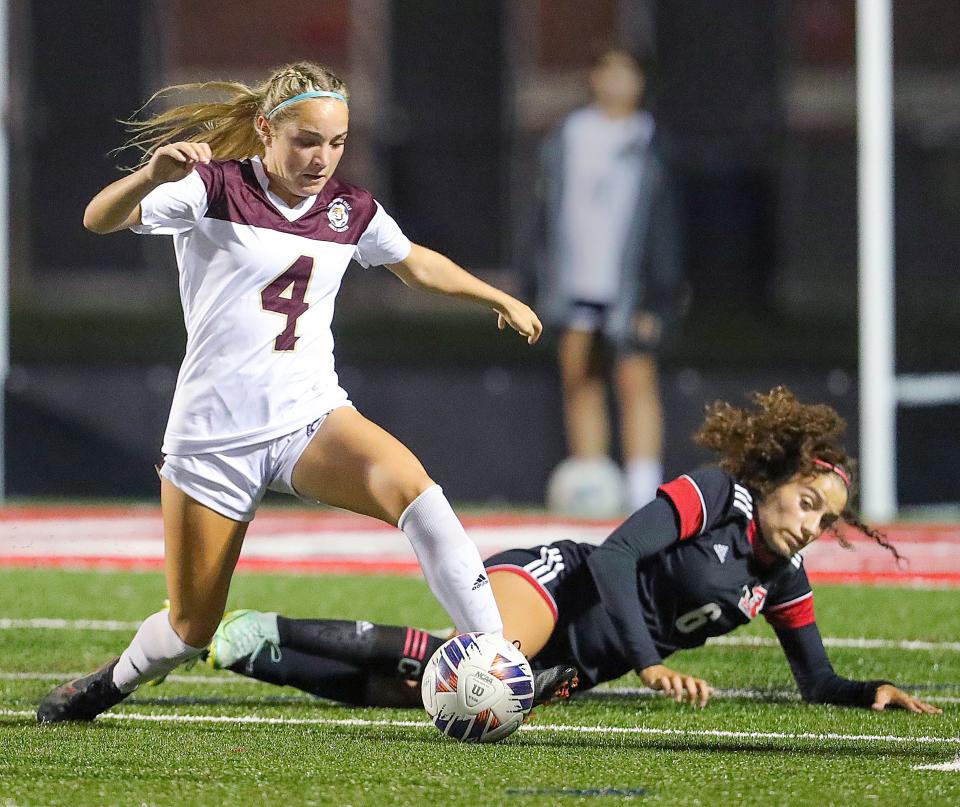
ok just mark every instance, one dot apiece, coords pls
pixel 258 280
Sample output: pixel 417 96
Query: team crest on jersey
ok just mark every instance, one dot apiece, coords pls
pixel 338 212
pixel 751 602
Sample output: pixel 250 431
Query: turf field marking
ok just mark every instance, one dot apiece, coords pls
pixel 599 692
pixel 829 641
pixel 942 766
pixel 208 680
pixel 44 623
pixel 539 728
pixel 743 694
pixel 66 624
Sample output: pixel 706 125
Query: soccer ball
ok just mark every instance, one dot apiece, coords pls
pixel 588 488
pixel 477 687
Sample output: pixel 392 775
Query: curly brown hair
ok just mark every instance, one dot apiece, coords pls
pixel 768 444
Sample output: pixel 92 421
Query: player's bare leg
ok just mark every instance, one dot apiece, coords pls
pixel 201 552
pixel 354 464
pixel 584 394
pixel 529 621
pixel 641 424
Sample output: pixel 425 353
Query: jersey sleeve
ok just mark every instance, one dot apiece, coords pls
pixel 613 566
pixel 790 603
pixel 174 207
pixel 814 674
pixel 382 242
pixel 703 499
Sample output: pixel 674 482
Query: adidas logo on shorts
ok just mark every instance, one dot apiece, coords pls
pixel 480 582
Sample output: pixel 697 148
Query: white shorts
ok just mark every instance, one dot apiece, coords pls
pixel 233 482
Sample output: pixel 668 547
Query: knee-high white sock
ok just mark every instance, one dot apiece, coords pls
pixel 450 562
pixel 155 650
pixel 644 476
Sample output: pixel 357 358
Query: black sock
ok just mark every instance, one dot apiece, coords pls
pixel 328 678
pixel 375 648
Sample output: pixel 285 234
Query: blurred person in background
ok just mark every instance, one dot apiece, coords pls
pixel 608 270
pixel 263 234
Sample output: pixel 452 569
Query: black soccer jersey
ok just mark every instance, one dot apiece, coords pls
pixel 688 566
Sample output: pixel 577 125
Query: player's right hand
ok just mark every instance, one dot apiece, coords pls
pixel 677 685
pixel 174 161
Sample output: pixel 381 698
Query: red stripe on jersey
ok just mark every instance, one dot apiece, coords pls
pixel 793 614
pixel 688 502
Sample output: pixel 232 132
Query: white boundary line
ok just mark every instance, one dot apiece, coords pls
pixel 45 623
pixel 66 624
pixel 539 728
pixel 743 694
pixel 943 766
pixel 599 692
pixel 208 680
pixel 829 641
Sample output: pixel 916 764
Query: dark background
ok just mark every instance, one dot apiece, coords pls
pixel 450 100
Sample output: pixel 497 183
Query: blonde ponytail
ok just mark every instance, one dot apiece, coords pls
pixel 228 125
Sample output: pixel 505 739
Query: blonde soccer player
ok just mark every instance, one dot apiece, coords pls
pixel 263 233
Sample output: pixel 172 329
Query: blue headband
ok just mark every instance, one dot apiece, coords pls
pixel 304 96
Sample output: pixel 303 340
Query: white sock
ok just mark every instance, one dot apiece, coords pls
pixel 450 562
pixel 644 476
pixel 154 651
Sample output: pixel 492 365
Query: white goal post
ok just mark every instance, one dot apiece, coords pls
pixel 881 390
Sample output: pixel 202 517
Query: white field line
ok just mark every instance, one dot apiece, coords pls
pixel 742 694
pixel 943 766
pixel 66 624
pixel 829 641
pixel 539 728
pixel 599 692
pixel 7 623
pixel 207 680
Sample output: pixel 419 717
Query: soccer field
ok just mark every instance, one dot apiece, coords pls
pixel 213 738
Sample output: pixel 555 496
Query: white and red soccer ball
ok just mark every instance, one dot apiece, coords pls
pixel 477 687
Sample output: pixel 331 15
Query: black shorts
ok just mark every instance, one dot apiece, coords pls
pixel 552 569
pixel 583 634
pixel 583 315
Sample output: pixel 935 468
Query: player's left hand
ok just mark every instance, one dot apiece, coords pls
pixel 521 318
pixel 888 695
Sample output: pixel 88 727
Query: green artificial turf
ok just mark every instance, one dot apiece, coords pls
pixel 756 744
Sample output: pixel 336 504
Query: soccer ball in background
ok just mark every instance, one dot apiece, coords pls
pixel 477 687
pixel 588 488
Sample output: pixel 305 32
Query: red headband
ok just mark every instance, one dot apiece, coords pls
pixel 837 469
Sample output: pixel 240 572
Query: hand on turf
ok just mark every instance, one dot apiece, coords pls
pixel 174 161
pixel 521 318
pixel 889 695
pixel 677 685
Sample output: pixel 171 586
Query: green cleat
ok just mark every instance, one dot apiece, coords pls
pixel 242 635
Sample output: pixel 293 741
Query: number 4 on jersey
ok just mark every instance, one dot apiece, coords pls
pixel 284 295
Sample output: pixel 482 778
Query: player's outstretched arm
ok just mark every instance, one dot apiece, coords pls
pixel 677 685
pixel 117 206
pixel 818 683
pixel 888 695
pixel 428 270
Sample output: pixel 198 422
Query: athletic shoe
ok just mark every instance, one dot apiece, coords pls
pixel 554 684
pixel 83 698
pixel 242 635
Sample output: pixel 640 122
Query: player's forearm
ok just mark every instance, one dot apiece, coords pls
pixel 110 209
pixel 436 273
pixel 814 674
